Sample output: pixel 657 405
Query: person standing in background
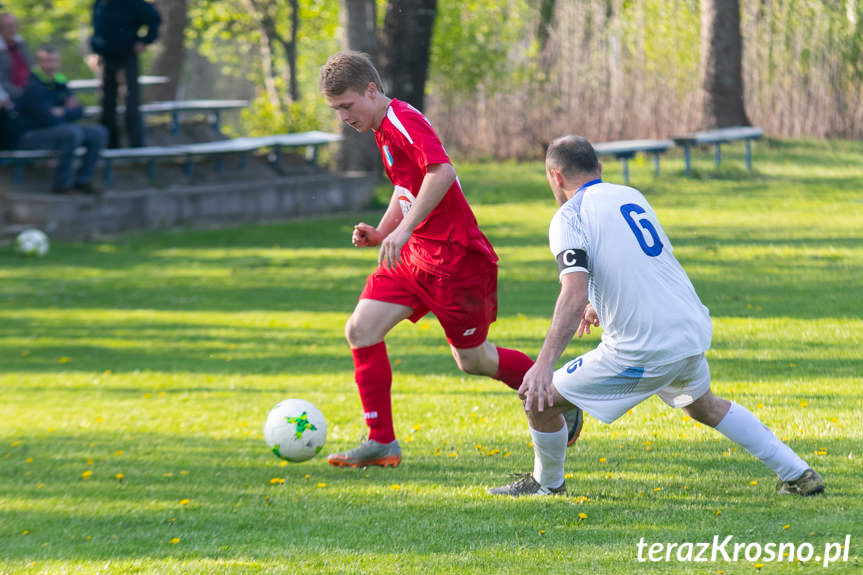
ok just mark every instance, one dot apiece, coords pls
pixel 116 39
pixel 15 61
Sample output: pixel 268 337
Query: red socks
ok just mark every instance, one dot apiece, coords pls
pixel 374 379
pixel 511 366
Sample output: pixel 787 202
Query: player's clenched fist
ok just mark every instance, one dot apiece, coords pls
pixel 365 236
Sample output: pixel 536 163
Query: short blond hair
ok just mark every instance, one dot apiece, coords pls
pixel 349 70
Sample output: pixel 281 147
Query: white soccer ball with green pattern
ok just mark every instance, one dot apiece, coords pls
pixel 32 243
pixel 295 430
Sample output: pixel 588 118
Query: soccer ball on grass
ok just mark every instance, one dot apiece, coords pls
pixel 295 430
pixel 32 243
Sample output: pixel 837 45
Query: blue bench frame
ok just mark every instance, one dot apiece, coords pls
pixel 717 138
pixel 625 150
pixel 242 146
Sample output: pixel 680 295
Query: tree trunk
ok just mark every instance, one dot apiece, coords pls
pixel 408 26
pixel 359 151
pixel 546 17
pixel 169 61
pixel 721 65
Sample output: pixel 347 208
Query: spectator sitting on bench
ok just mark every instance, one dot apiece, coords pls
pixel 46 112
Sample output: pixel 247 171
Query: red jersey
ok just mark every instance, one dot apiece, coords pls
pixel 448 242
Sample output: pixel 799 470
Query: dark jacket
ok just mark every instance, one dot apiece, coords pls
pixel 40 95
pixel 116 24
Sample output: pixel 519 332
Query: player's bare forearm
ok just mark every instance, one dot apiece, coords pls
pixel 392 217
pixel 568 312
pixel 435 185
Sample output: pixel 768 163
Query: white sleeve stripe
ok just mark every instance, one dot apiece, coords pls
pixel 565 271
pixel 391 116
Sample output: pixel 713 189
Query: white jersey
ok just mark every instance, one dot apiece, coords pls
pixel 647 306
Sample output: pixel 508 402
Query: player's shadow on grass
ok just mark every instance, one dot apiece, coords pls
pixel 211 494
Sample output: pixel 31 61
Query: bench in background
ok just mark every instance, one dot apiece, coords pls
pixel 213 108
pixel 311 141
pixel 625 150
pixel 717 138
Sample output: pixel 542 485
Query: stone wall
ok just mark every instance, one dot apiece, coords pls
pixel 83 217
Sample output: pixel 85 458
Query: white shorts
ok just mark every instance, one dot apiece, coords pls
pixel 606 389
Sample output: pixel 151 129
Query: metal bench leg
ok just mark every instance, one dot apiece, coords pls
pixel 312 155
pixel 243 160
pixel 219 165
pixel 277 152
pixel 217 121
pixel 625 171
pixel 188 168
pixel 656 165
pixel 748 157
pixel 18 172
pixel 175 122
pixel 687 159
pixel 151 170
pixel 108 176
pixel 717 156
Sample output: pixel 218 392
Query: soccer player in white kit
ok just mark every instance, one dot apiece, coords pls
pixel 617 270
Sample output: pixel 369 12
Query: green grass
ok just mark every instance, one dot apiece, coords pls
pixel 158 357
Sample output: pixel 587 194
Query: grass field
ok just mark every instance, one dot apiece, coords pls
pixel 135 376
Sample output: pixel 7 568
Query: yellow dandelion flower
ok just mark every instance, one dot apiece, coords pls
pixel 786 526
pixel 52 429
pixel 107 372
pixel 718 512
pixel 321 485
pixel 148 395
pixel 277 480
pixel 28 460
pixel 804 403
pixel 308 476
pixel 40 486
pixel 416 427
pixel 64 359
pixel 753 482
pixel 568 476
pixel 283 463
pixel 395 487
pixel 87 474
pixel 409 438
pixel 603 459
pixel 119 476
pixel 175 540
pixel 25 532
pixel 542 531
pixel 582 515
pixel 759 406
pixel 184 502
pixel 494 451
pixel 396 361
pixel 183 472
pixel 169 474
pixel 16 443
pixel 657 488
pixel 118 453
pixel 758 565
pixel 608 475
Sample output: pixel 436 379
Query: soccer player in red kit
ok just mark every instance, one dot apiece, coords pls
pixel 433 256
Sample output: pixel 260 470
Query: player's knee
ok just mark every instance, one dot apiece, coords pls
pixel 708 409
pixel 469 363
pixel 359 335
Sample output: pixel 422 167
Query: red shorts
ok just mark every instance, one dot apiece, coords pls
pixel 465 307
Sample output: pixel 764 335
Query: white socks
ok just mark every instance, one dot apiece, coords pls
pixel 743 428
pixel 549 452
